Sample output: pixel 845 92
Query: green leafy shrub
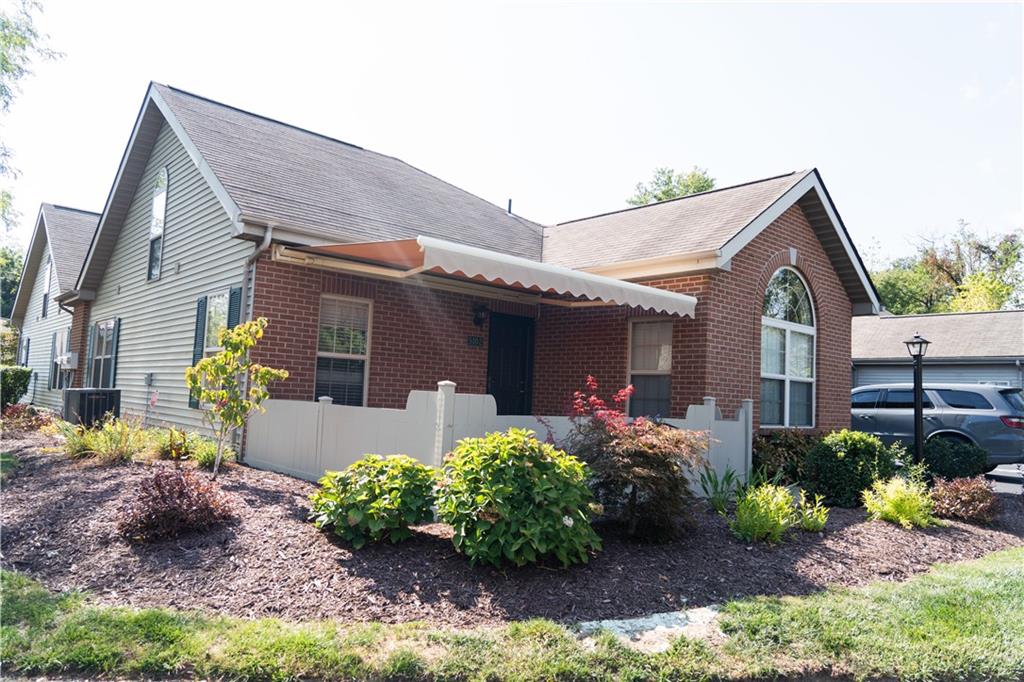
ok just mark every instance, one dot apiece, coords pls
pixel 844 463
pixel 113 441
pixel 900 500
pixel 720 491
pixel 374 498
pixel 204 454
pixel 21 417
pixel 811 515
pixel 954 458
pixel 171 502
pixel 970 499
pixel 14 381
pixel 763 512
pixel 781 453
pixel 173 444
pixel 510 497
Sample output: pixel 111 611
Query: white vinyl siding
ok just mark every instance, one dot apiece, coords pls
pixel 39 330
pixel 158 317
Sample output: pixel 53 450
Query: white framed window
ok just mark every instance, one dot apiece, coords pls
pixel 216 322
pixel 46 284
pixel 103 351
pixel 158 213
pixel 60 377
pixel 788 339
pixel 343 349
pixel 650 367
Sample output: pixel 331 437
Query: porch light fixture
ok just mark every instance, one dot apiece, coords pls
pixel 917 347
pixel 480 314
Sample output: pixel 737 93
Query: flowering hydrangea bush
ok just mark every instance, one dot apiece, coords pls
pixel 639 468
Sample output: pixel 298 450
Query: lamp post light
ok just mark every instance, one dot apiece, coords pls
pixel 917 347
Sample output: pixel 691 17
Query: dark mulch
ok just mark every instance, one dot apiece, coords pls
pixel 59 526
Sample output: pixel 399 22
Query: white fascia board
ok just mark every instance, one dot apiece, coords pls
pixel 232 209
pixel 20 297
pixel 661 267
pixel 780 206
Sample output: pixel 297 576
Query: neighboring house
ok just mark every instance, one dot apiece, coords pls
pixel 965 348
pixel 59 243
pixel 379 278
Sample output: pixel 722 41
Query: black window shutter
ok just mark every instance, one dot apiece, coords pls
pixel 198 341
pixel 113 353
pixel 53 351
pixel 234 307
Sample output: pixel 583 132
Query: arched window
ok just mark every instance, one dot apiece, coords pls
pixel 156 225
pixel 787 352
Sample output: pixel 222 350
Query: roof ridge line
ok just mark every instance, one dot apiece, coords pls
pixel 70 208
pixel 668 201
pixel 265 118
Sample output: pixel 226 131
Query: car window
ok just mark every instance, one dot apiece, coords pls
pixel 1015 397
pixel 864 399
pixel 902 399
pixel 964 400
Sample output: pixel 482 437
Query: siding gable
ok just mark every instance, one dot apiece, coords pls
pixel 200 257
pixel 39 330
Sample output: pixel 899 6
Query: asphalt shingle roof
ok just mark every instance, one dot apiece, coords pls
pixel 69 232
pixel 276 171
pixel 692 224
pixel 952 335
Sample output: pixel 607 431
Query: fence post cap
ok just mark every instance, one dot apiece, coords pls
pixel 708 400
pixel 446 383
pixel 325 400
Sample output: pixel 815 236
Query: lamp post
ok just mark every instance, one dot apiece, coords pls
pixel 917 347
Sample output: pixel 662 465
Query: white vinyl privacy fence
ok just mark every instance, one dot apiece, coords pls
pixel 305 439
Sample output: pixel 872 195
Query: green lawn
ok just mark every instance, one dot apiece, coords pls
pixel 961 621
pixel 8 464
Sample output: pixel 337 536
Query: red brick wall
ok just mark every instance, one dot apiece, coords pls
pixel 418 335
pixel 80 340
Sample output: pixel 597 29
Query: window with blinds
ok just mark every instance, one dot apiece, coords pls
pixel 343 350
pixel 650 368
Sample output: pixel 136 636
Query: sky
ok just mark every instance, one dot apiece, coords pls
pixel 912 112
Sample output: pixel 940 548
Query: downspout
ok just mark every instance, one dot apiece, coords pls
pixel 249 290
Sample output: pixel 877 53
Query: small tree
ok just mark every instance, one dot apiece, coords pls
pixel 219 383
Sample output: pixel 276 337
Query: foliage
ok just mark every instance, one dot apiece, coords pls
pixel 14 381
pixel 114 441
pixel 954 458
pixel 962 272
pixel 900 500
pixel 375 498
pixel 668 184
pixel 22 417
pixel 10 275
pixel 811 515
pixel 204 454
pixel 171 502
pixel 509 497
pixel 954 622
pixel 845 463
pixel 639 468
pixel 8 334
pixel 783 451
pixel 720 491
pixel 763 512
pixel 970 499
pixel 9 463
pixel 229 385
pixel 173 444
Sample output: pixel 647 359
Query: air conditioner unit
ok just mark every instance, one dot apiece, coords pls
pixel 68 360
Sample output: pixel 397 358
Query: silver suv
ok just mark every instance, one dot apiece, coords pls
pixel 989 416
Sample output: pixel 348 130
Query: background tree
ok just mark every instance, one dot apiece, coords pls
pixel 667 184
pixel 20 43
pixel 961 272
pixel 10 272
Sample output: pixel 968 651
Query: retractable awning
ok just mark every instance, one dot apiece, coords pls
pixel 430 256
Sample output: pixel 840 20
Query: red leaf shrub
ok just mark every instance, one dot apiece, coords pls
pixel 639 468
pixel 172 502
pixel 970 499
pixel 21 417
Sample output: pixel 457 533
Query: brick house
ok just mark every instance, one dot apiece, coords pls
pixel 378 279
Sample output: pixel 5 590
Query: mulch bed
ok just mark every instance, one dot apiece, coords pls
pixel 58 523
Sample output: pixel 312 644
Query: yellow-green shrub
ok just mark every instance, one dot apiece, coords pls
pixel 900 500
pixel 763 512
